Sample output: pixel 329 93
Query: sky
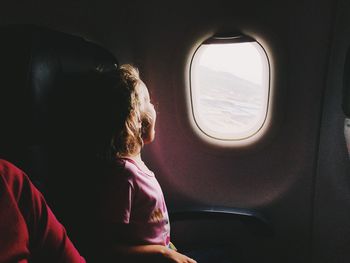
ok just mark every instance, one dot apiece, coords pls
pixel 244 60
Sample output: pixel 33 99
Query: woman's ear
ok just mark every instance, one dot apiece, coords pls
pixel 144 127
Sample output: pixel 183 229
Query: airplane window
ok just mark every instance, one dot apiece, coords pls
pixel 230 87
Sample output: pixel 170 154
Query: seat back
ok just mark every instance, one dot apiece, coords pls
pixel 56 106
pixel 42 73
pixel 346 100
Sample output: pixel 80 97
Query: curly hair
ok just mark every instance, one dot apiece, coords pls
pixel 127 138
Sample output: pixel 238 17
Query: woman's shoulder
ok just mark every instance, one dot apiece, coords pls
pixel 11 173
pixel 126 168
pixel 137 167
pixel 6 167
pixel 114 174
pixel 14 179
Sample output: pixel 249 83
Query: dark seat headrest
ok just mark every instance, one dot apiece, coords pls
pixel 34 62
pixel 346 86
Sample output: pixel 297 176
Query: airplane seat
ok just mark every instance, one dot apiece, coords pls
pixel 38 65
pixel 53 102
pixel 346 100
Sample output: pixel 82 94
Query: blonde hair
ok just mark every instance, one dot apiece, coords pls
pixel 127 139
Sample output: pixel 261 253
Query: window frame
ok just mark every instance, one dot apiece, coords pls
pixel 236 38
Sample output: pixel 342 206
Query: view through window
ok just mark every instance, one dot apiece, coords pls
pixel 230 89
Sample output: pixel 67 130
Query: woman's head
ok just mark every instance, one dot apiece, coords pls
pixel 136 114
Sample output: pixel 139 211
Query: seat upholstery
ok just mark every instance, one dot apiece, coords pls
pixel 55 110
pixel 346 100
pixel 346 86
pixel 42 74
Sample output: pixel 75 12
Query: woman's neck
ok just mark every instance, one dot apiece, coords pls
pixel 137 159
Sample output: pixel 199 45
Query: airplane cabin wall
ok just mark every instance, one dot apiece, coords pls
pixel 276 178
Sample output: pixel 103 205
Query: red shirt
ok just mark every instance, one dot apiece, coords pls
pixel 29 231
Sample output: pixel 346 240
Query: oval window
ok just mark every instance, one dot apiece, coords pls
pixel 230 87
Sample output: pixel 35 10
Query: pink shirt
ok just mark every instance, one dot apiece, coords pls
pixel 137 206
